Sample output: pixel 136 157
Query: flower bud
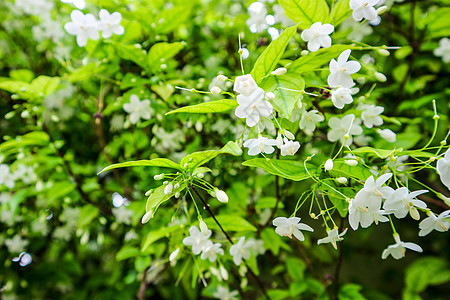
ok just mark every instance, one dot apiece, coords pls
pixel 177 194
pixel 221 196
pixel 270 96
pixel 328 165
pixel 148 193
pixel 341 180
pixel 380 77
pixel 351 162
pixel 382 9
pixel 279 71
pixel 414 213
pixel 215 90
pixel 223 273
pixel 384 52
pixel 176 186
pixel 173 257
pixel 168 189
pixel 158 176
pixel 304 52
pixel 185 165
pixel 222 77
pixel 203 227
pixel 289 135
pixel 148 215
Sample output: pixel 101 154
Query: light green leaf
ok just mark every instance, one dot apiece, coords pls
pixel 158 197
pixel 21 75
pixel 156 162
pixel 217 106
pixel 130 52
pixel 287 89
pixel 273 241
pixel 127 252
pixel 87 214
pixel 339 12
pixel 131 80
pixel 164 90
pixel 268 60
pixel 170 19
pixel 340 168
pixel 438 23
pixel 426 271
pixel 199 158
pixel 44 85
pixel 230 223
pixel 330 189
pixel 305 12
pixel 289 169
pixel 159 53
pixel 155 235
pixel 351 291
pixel 381 153
pixel 315 60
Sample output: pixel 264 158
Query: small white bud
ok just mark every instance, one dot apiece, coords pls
pixel 289 135
pixel 329 165
pixel 341 180
pixel 166 182
pixel 173 257
pixel 361 80
pixel 176 186
pixel 215 90
pixel 384 52
pixel 222 77
pixel 304 52
pixel 168 189
pixel 380 77
pixel 185 165
pixel 223 273
pixel 149 192
pixel 382 9
pixel 444 198
pixel 148 215
pixel 221 196
pixel 177 194
pixel 414 213
pixel 158 176
pixel 270 96
pixel 279 71
pixel 200 175
pixel 351 162
pixel 203 227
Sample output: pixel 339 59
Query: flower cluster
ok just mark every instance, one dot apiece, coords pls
pixel 200 243
pixel 244 249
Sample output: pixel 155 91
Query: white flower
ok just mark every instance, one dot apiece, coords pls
pixel 357 30
pixel 401 201
pixel 364 9
pixel 256 247
pixel 365 208
pixel 123 214
pixel 328 165
pixel 221 196
pixel 40 8
pixel 341 96
pixel 371 115
pixel 309 120
pixel 253 106
pixel 443 50
pixel 245 85
pixel 48 29
pixel 210 251
pixel 223 293
pixel 341 70
pixel 442 166
pixel 138 109
pixel 197 240
pixel 80 4
pixel 257 21
pixel 387 134
pixel 291 226
pixel 110 23
pixel 289 147
pixel 398 250
pixel 83 26
pixel 25 173
pixel 6 178
pixel 260 145
pixel 333 237
pixel 317 35
pixel 215 90
pixel 16 244
pixel 280 16
pixel 434 223
pixel 341 127
pixel 240 251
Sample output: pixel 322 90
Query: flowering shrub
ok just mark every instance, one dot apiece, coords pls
pixel 212 149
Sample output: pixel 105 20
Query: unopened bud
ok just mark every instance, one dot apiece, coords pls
pixel 279 71
pixel 221 196
pixel 270 96
pixel 384 52
pixel 149 192
pixel 215 90
pixel 222 77
pixel 380 77
pixel 158 176
pixel 185 165
pixel 328 165
pixel 414 213
pixel 351 162
pixel 176 186
pixel 148 215
pixel 289 135
pixel 341 180
pixel 168 189
pixel 177 194
pixel 304 52
pixel 382 9
pixel 223 273
pixel 173 256
pixel 203 227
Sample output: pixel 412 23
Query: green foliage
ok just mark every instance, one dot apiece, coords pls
pixel 306 12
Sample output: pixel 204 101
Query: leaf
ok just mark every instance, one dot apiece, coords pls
pixel 285 100
pixel 127 252
pixel 130 52
pixel 22 75
pixel 160 52
pixel 305 12
pixel 351 291
pixel 199 158
pixel 87 214
pixel 289 169
pixel 155 235
pixel 315 60
pixel 170 19
pixel 426 271
pixel 217 106
pixel 268 60
pixel 273 241
pixel 44 85
pixel 336 198
pixel 158 197
pixel 340 168
pixel 230 223
pixel 156 162
pixel 164 90
pixel 381 153
pixel 296 268
pixel 131 80
pixel 438 23
pixel 339 12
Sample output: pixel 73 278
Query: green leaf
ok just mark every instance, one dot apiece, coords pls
pixel 22 75
pixel 159 53
pixel 268 60
pixel 87 214
pixel 351 291
pixel 339 12
pixel 217 106
pixel 336 198
pixel 289 169
pixel 273 241
pixel 127 252
pixel 340 168
pixel 296 268
pixel 315 60
pixel 156 162
pixel 230 223
pixel 44 85
pixel 171 19
pixel 305 12
pixel 426 271
pixel 438 23
pixel 199 158
pixel 155 235
pixel 131 80
pixel 381 153
pixel 132 53
pixel 287 92
pixel 158 197
pixel 164 90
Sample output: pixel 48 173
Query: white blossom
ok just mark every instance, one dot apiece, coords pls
pixel 260 145
pixel 341 96
pixel 83 26
pixel 40 8
pixel 398 250
pixel 110 23
pixel 197 240
pixel 291 226
pixel 341 70
pixel 401 201
pixel 364 9
pixel 289 147
pixel 371 115
pixel 245 85
pixel 239 251
pixel 25 173
pixel 257 21
pixel 80 4
pixel 333 237
pixel 443 50
pixel 433 222
pixel 252 107
pixel 387 134
pixel 48 29
pixel 317 35
pixel 341 127
pixel 211 251
pixel 309 120
pixel 16 244
pixel 442 167
pixel 122 214
pixel 222 293
pixel 138 109
pixel 256 247
pixel 6 178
